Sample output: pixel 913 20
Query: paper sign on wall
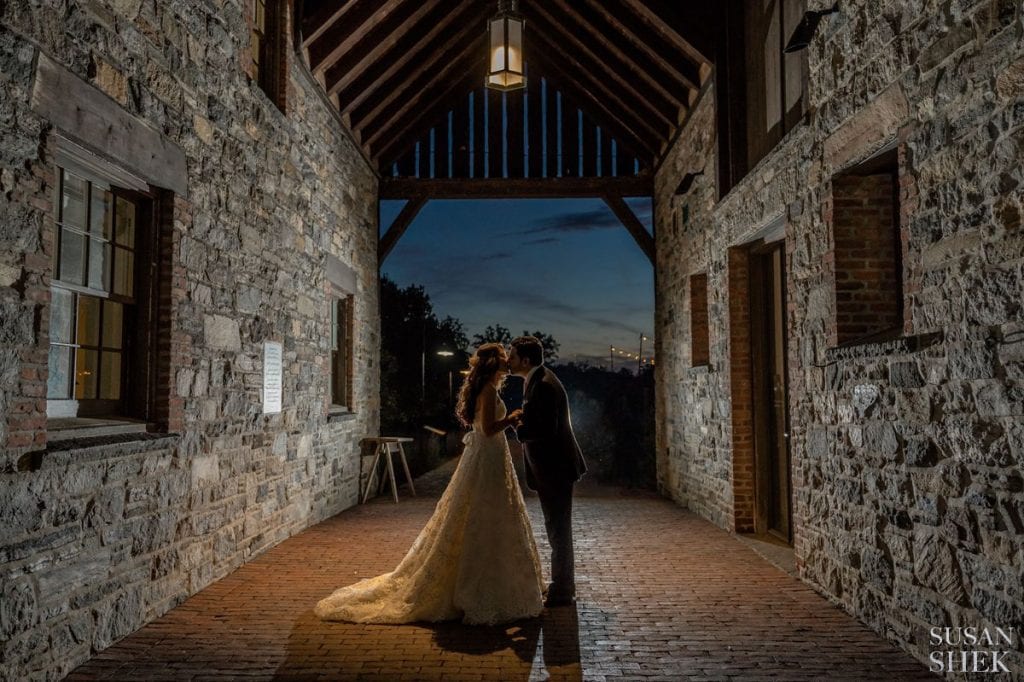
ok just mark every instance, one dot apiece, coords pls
pixel 271 377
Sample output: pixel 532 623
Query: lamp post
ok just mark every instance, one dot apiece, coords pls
pixel 640 356
pixel 448 354
pixel 611 358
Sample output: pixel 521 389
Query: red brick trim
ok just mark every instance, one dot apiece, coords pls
pixel 741 390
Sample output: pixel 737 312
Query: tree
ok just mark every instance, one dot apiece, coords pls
pixel 493 334
pixel 499 334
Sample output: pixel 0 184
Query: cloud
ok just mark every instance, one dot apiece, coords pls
pixel 584 221
pixel 542 240
pixel 501 255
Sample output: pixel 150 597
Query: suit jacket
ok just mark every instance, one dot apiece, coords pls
pixel 549 446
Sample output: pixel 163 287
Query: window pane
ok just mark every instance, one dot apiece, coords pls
pixel 125 223
pixel 101 213
pixel 58 384
pixel 88 321
pixel 99 264
pixel 73 205
pixel 62 310
pixel 124 262
pixel 110 381
pixel 72 257
pixel 113 313
pixel 86 367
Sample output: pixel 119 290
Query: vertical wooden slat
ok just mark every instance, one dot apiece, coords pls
pixel 514 102
pixel 570 138
pixel 589 150
pixel 479 134
pixel 535 128
pixel 460 139
pixel 423 160
pixel 551 130
pixel 407 163
pixel 441 163
pixel 622 161
pixel 605 145
pixel 495 136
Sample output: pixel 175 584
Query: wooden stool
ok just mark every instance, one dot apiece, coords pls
pixel 387 446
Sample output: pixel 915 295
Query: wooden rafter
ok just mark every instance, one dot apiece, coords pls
pixel 638 42
pixel 665 30
pixel 471 53
pixel 439 62
pixel 378 51
pixel 422 120
pixel 625 214
pixel 640 143
pixel 351 102
pixel 567 37
pixel 610 46
pixel 356 35
pixel 399 226
pixel 317 25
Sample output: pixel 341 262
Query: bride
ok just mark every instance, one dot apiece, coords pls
pixel 476 559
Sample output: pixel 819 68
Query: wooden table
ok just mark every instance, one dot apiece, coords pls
pixel 385 447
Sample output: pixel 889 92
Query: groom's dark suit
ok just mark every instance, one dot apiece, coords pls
pixel 553 464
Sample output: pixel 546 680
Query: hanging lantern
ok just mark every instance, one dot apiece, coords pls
pixel 506 48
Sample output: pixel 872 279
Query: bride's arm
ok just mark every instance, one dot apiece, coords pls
pixel 488 405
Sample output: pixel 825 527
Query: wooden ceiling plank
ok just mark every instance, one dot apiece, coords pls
pixel 641 44
pixel 653 20
pixel 498 188
pixel 324 21
pixel 424 91
pixel 608 44
pixel 415 79
pixel 598 90
pixel 357 34
pixel 621 130
pixel 581 47
pixel 383 47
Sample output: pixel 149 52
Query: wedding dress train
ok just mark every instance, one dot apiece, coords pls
pixel 475 560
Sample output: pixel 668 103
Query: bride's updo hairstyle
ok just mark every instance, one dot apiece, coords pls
pixel 482 366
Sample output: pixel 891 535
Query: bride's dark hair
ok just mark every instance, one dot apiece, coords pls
pixel 482 366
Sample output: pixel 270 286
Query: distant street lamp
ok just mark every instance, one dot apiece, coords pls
pixel 639 357
pixel 448 354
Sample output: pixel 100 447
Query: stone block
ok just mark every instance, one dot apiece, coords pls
pixel 221 333
pixel 905 375
pixel 936 566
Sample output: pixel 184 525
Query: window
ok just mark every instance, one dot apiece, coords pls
pixel 266 49
pixel 700 344
pixel 341 352
pixel 93 295
pixel 868 251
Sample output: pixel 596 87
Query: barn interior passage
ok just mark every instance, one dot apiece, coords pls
pixel 189 280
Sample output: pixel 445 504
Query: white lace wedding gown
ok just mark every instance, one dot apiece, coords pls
pixel 475 560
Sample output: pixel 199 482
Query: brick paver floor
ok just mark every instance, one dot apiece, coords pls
pixel 663 595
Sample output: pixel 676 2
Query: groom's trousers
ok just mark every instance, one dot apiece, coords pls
pixel 556 503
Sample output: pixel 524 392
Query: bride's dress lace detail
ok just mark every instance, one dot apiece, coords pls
pixel 475 560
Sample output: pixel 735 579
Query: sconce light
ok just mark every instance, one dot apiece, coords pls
pixel 506 48
pixel 804 32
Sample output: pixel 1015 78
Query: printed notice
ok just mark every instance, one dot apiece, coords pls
pixel 271 377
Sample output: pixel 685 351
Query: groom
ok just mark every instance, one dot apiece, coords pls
pixel 553 459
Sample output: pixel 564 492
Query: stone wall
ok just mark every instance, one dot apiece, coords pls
pixel 100 536
pixel 907 454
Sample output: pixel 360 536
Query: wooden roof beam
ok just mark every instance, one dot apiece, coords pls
pixel 639 43
pixel 425 91
pixel 598 93
pixel 355 35
pixel 636 229
pixel 380 49
pixel 399 226
pixel 579 47
pixel 660 26
pixel 438 62
pixel 409 132
pixel 634 69
pixel 348 105
pixel 317 25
